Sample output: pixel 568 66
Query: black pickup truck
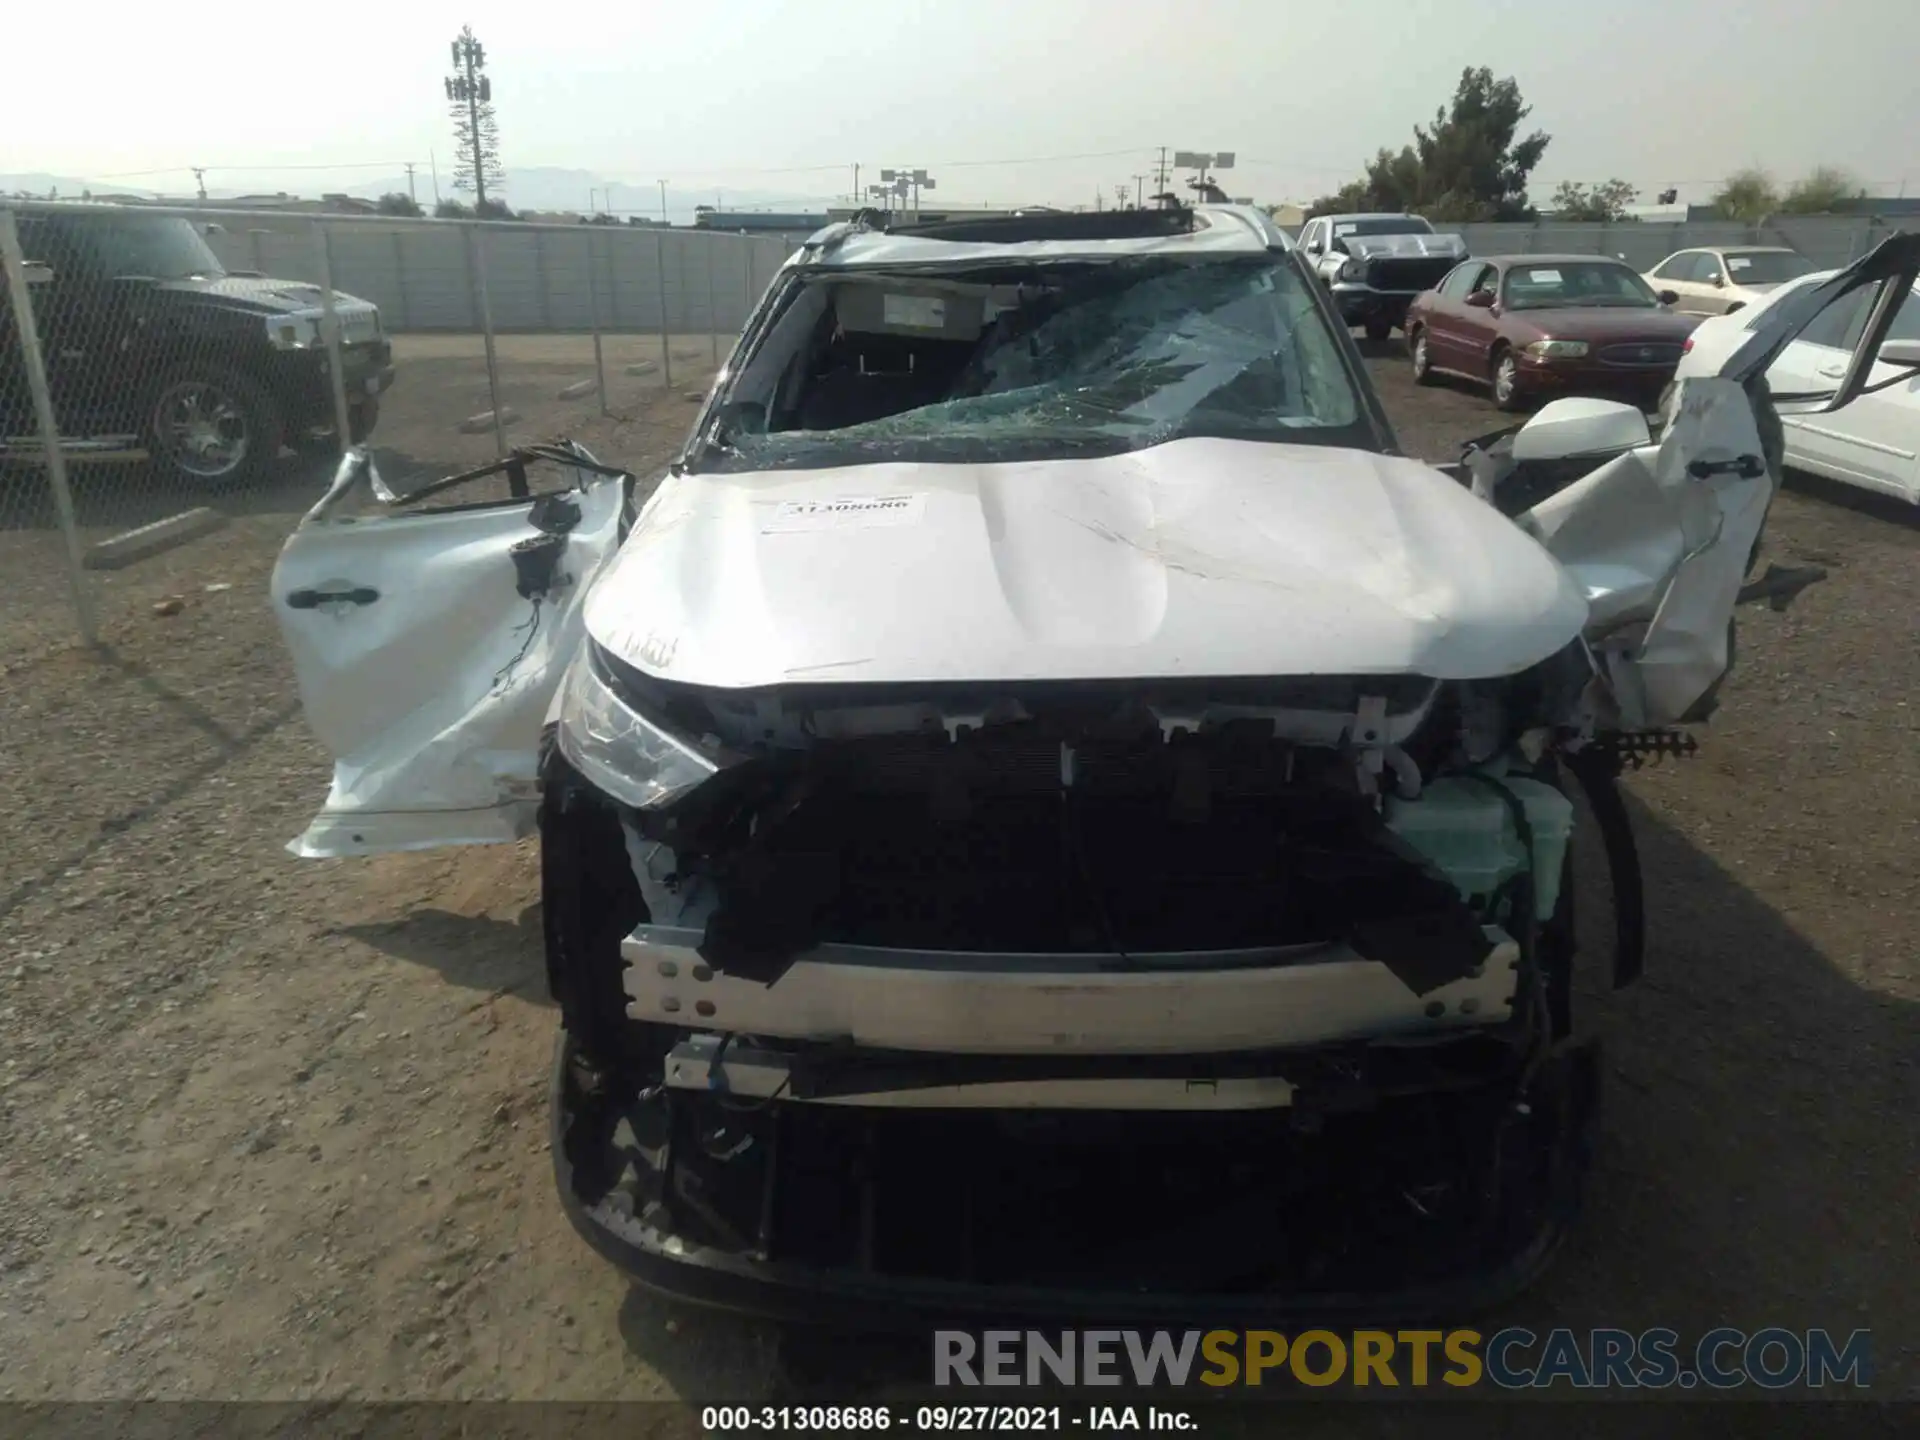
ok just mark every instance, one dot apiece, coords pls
pixel 149 343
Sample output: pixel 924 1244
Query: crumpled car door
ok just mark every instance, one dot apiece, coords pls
pixel 429 644
pixel 1661 538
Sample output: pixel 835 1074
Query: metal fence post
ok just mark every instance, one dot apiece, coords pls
pixel 24 327
pixel 330 336
pixel 400 278
pixel 477 258
pixel 660 274
pixel 713 318
pixel 593 317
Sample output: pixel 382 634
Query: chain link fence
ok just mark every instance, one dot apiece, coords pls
pixel 176 384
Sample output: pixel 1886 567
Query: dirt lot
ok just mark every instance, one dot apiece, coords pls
pixel 275 1129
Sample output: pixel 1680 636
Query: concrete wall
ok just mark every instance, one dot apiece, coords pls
pixel 426 275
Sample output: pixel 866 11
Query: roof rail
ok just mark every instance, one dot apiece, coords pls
pixel 1035 225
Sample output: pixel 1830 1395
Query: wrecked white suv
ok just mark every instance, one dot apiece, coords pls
pixel 1044 810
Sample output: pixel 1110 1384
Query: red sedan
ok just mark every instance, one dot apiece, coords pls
pixel 1538 326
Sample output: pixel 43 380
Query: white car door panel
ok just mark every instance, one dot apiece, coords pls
pixel 428 646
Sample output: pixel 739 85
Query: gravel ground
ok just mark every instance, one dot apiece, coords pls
pixel 274 1129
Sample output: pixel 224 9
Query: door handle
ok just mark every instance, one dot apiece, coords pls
pixel 1834 372
pixel 314 599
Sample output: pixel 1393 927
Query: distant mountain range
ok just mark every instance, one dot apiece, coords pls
pixel 538 187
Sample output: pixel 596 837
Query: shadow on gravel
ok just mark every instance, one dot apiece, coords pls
pixel 1887 508
pixel 474 952
pixel 126 495
pixel 1755 1169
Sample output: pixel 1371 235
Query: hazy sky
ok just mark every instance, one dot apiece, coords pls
pixel 1035 100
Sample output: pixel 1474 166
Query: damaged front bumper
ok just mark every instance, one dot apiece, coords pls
pixel 879 1135
pixel 1401 1185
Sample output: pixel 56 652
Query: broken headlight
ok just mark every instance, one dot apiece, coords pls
pixel 618 750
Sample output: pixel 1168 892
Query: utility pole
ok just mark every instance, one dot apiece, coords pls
pixel 856 184
pixel 200 179
pixel 1160 173
pixel 433 164
pixel 410 195
pixel 663 202
pixel 1140 192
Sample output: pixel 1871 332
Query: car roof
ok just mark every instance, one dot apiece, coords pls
pixel 1567 259
pixel 1205 230
pixel 1749 249
pixel 1371 215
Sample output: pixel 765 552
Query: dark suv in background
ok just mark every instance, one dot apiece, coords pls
pixel 150 343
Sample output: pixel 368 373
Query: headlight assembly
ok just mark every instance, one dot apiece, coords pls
pixel 620 751
pixel 292 332
pixel 1354 270
pixel 1557 349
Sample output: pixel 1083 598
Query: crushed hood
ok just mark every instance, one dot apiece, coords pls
pixel 1405 247
pixel 1193 558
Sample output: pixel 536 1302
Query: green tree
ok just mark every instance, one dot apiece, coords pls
pixel 1468 165
pixel 1822 192
pixel 452 210
pixel 396 203
pixel 491 209
pixel 1606 201
pixel 1747 195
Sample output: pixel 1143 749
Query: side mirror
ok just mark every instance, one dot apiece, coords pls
pixel 1669 297
pixel 1480 300
pixel 1719 282
pixel 1901 352
pixel 1581 426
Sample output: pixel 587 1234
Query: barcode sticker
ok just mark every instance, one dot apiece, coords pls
pixel 853 512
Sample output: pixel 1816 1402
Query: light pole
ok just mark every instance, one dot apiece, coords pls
pixel 1197 160
pixel 663 202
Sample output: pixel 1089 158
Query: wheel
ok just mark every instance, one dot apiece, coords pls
pixel 1506 381
pixel 1422 361
pixel 1378 329
pixel 213 429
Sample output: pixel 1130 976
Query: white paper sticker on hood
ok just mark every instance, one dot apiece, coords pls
pixel 855 512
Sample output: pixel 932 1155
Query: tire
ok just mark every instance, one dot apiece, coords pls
pixel 1422 361
pixel 1378 330
pixel 212 429
pixel 1506 382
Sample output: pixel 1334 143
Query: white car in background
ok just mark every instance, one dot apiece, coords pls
pixel 1875 441
pixel 1724 278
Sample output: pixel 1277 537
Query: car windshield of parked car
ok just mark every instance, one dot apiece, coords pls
pixel 1385 225
pixel 1026 361
pixel 159 248
pixel 1561 284
pixel 1767 267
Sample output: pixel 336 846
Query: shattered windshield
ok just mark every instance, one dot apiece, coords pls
pixel 1036 361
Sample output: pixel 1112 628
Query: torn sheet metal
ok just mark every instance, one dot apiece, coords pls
pixel 1659 540
pixel 428 646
